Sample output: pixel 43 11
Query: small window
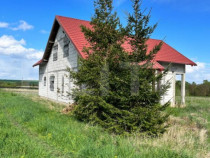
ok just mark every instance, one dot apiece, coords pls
pixel 66 50
pixel 52 82
pixel 65 40
pixel 63 84
pixel 66 47
pixel 55 52
pixel 45 81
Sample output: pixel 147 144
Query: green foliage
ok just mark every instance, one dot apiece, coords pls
pixel 116 91
pixel 193 89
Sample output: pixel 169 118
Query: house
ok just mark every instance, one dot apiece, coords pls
pixel 64 47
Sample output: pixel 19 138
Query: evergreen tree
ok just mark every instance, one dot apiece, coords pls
pixel 116 87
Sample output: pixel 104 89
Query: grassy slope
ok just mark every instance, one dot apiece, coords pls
pixel 32 127
pixel 197 113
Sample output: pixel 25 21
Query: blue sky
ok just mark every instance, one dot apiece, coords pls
pixel 25 27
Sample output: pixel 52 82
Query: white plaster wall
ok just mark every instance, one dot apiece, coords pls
pixel 170 78
pixel 169 95
pixel 42 74
pixel 177 68
pixel 58 69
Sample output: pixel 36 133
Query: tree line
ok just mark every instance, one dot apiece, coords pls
pixel 193 89
pixel 18 84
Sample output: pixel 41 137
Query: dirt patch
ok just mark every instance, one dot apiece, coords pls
pixel 68 109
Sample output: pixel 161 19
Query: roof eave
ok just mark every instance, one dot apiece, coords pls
pixel 185 63
pixel 38 63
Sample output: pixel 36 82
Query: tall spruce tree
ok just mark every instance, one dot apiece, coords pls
pixel 115 87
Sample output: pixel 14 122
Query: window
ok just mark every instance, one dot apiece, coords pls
pixel 52 81
pixel 44 81
pixel 66 50
pixel 55 52
pixel 63 84
pixel 66 47
pixel 65 40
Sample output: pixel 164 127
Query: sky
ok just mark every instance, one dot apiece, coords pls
pixel 25 26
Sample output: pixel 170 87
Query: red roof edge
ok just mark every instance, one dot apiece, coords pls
pixel 157 66
pixel 154 65
pixel 190 63
pixel 38 63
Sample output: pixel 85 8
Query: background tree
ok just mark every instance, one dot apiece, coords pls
pixel 193 89
pixel 115 86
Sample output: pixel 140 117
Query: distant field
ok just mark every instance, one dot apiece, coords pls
pixel 33 127
pixel 24 84
pixel 23 91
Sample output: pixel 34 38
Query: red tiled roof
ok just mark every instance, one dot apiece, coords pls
pixel 38 63
pixel 157 66
pixel 154 65
pixel 72 28
pixel 168 53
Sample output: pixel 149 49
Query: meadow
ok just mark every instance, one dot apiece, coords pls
pixel 34 127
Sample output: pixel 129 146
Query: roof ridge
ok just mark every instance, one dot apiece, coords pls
pixel 71 18
pixel 155 39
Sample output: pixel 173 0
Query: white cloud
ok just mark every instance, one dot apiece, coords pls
pixel 35 55
pixel 12 68
pixel 10 46
pixel 191 69
pixel 23 25
pixel 198 73
pixel 16 59
pixel 4 25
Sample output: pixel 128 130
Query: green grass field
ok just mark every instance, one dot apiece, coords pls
pixel 27 84
pixel 33 127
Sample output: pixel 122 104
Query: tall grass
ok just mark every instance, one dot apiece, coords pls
pixel 197 112
pixel 29 128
